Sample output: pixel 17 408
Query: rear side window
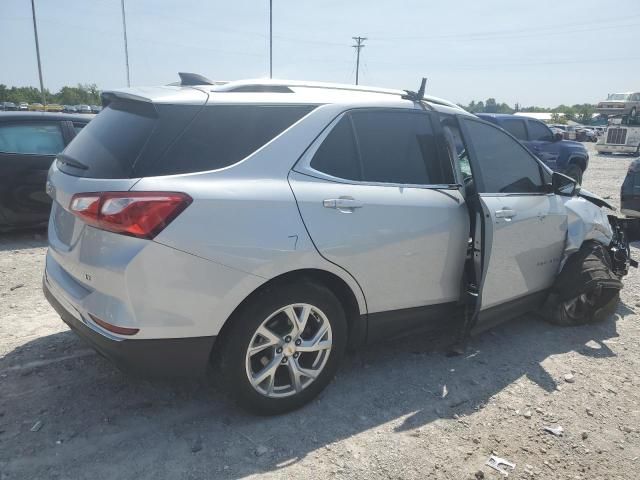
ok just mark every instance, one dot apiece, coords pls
pixel 539 131
pixel 505 165
pixel 383 146
pixel 337 155
pixel 222 135
pixel 515 128
pixel 396 147
pixel 37 138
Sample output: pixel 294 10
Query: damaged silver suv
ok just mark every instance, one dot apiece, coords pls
pixel 265 227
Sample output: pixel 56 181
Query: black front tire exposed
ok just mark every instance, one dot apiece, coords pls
pixel 586 291
pixel 574 171
pixel 234 361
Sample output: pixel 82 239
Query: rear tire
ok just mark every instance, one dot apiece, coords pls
pixel 586 290
pixel 266 325
pixel 574 171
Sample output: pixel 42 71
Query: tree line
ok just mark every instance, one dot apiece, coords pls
pixel 82 94
pixel 581 113
pixel 89 94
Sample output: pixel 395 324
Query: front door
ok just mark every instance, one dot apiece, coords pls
pixel 377 200
pixel 27 150
pixel 541 143
pixel 524 227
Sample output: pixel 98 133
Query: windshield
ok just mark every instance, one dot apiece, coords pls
pixel 618 96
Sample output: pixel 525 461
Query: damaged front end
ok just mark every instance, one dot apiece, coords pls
pixel 596 257
pixel 588 222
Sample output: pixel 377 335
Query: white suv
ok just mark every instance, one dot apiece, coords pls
pixel 267 226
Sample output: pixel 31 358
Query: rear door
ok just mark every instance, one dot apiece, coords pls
pixel 27 149
pixel 524 227
pixel 374 194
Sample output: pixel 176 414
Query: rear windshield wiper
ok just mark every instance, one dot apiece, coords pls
pixel 65 159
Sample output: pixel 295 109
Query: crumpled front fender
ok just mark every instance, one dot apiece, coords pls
pixel 586 221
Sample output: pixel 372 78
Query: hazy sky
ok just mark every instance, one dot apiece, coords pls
pixel 532 52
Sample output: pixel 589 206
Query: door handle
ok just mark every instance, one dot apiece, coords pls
pixel 343 204
pixel 505 213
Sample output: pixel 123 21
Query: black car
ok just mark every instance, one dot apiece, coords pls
pixel 8 106
pixel 29 142
pixel 630 193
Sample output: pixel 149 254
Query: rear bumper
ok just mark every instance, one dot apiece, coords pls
pixel 167 357
pixel 604 148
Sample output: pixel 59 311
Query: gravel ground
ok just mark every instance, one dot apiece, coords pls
pixel 396 410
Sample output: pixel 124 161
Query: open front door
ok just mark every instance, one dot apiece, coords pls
pixel 521 236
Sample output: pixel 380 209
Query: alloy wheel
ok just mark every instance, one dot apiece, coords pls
pixel 289 350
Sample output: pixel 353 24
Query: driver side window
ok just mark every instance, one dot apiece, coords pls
pixel 505 165
pixel 539 131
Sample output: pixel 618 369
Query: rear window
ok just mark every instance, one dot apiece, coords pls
pixel 222 135
pixel 135 139
pixel 110 144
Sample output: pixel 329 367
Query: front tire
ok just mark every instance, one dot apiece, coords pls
pixel 587 290
pixel 283 347
pixel 574 171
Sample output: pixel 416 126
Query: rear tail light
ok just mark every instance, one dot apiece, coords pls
pixel 138 214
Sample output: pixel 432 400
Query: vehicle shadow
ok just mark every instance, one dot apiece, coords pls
pixel 23 239
pixel 94 417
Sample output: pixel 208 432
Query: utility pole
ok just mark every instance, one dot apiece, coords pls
pixel 126 45
pixel 358 46
pixel 35 32
pixel 270 38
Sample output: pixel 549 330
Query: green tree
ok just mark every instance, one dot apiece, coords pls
pixel 490 106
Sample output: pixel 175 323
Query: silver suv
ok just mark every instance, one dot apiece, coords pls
pixel 266 226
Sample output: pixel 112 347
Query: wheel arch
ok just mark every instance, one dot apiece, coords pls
pixel 356 321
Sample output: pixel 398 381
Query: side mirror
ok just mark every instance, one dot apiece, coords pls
pixel 564 185
pixel 557 137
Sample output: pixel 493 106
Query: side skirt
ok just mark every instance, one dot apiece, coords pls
pixel 506 311
pixel 396 323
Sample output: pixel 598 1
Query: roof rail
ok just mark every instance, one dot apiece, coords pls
pixel 193 79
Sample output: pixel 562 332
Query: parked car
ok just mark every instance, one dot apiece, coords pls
pixel 560 155
pixel 620 104
pixel 95 108
pixel 23 106
pixel 8 106
pixel 36 107
pixel 53 107
pixel 630 198
pixel 83 108
pixel 69 109
pixel 358 196
pixel 630 192
pixel 585 134
pixel 28 144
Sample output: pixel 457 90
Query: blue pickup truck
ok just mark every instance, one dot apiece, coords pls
pixel 565 156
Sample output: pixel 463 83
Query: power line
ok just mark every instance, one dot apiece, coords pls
pixel 35 33
pixel 358 46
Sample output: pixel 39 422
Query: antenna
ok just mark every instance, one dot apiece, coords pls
pixel 193 79
pixel 416 97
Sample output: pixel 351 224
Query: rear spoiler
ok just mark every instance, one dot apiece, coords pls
pixel 108 97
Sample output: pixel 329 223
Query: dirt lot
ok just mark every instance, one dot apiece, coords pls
pixel 67 413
